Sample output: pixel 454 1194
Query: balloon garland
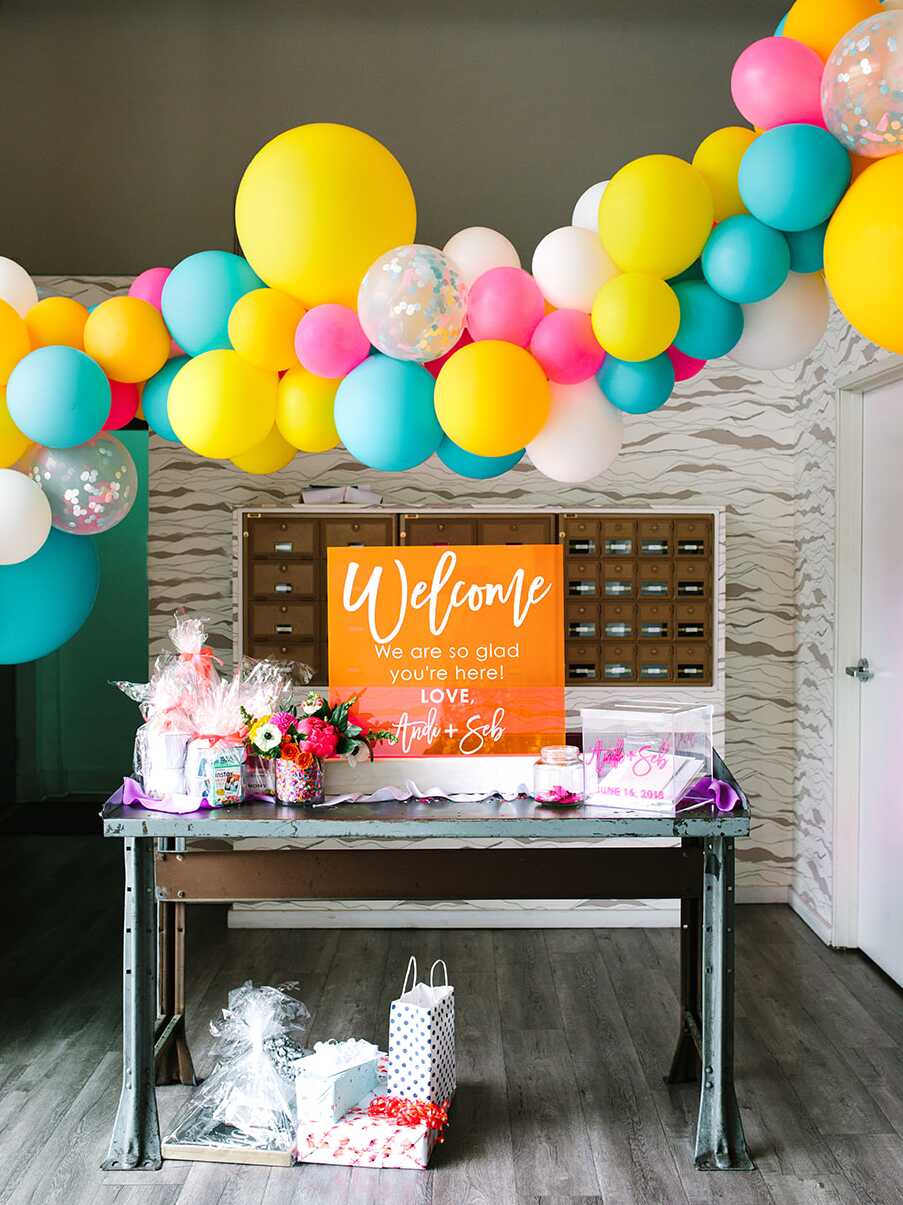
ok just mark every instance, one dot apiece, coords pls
pixel 335 326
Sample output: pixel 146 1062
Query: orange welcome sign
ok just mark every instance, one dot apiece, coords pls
pixel 459 650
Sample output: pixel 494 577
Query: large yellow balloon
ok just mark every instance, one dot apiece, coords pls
pixel 13 444
pixel 492 398
pixel 317 205
pixel 128 338
pixel 655 215
pixel 718 159
pixel 864 253
pixel 636 316
pixel 305 411
pixel 57 322
pixel 269 456
pixel 14 341
pixel 822 23
pixel 220 405
pixel 262 328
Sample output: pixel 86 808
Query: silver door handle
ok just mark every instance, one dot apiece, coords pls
pixel 860 671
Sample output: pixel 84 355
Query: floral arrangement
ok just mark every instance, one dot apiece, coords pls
pixel 317 730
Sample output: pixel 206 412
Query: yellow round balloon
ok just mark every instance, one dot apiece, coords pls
pixel 128 338
pixel 305 411
pixel 262 328
pixel 655 215
pixel 269 456
pixel 57 322
pixel 220 405
pixel 636 316
pixel 14 341
pixel 864 254
pixel 822 23
pixel 317 205
pixel 492 398
pixel 13 444
pixel 718 158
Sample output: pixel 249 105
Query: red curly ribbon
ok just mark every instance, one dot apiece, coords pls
pixel 410 1112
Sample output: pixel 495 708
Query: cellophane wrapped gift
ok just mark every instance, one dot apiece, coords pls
pixel 215 759
pixel 247 1104
pixel 381 1131
pixel 334 1078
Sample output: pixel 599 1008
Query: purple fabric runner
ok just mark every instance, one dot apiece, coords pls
pixel 179 805
pixel 712 790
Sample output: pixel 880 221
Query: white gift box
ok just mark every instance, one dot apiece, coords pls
pixel 422 1039
pixel 160 757
pixel 334 1079
pixel 358 1140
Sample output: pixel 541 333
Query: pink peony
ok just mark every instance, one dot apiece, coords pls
pixel 318 736
pixel 283 720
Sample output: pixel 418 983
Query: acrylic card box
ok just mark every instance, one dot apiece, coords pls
pixel 645 759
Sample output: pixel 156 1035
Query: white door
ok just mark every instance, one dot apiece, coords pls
pixel 881 757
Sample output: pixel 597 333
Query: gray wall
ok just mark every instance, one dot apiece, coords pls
pixel 125 126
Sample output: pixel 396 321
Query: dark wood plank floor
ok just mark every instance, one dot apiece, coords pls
pixel 563 1037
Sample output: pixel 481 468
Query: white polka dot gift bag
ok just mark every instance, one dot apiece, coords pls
pixel 422 1038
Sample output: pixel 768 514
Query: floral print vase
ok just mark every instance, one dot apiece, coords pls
pixel 297 784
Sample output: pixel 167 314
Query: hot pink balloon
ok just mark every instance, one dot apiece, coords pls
pixel 684 366
pixel 434 366
pixel 505 303
pixel 776 81
pixel 329 341
pixel 148 286
pixel 123 407
pixel 566 348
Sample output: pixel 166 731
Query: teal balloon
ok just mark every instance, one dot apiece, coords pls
pixel 792 177
pixel 198 296
pixel 637 386
pixel 744 260
pixel 779 28
pixel 385 416
pixel 710 325
pixel 477 468
pixel 46 599
pixel 58 397
pixel 155 398
pixel 807 248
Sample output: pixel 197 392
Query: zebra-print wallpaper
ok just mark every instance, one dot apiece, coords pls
pixel 761 445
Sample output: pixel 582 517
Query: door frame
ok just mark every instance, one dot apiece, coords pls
pixel 851 391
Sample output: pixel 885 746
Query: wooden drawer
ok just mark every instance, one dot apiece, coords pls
pixel 654 580
pixel 421 533
pixel 691 621
pixel 655 621
pixel 692 663
pixel 692 536
pixel 581 537
pixel 691 577
pixel 581 579
pixel 618 662
pixel 304 651
pixel 619 621
pixel 282 579
pixel 519 530
pixel 358 533
pixel 581 661
pixel 654 546
pixel 618 537
pixel 613 570
pixel 655 528
pixel 283 622
pixel 582 621
pixel 655 662
pixel 288 538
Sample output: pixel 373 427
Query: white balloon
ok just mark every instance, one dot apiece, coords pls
pixel 24 517
pixel 16 286
pixel 582 436
pixel 570 266
pixel 477 249
pixel 586 211
pixel 785 327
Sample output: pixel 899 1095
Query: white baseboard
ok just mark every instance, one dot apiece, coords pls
pixel 804 912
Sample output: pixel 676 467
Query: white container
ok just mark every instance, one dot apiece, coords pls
pixel 645 759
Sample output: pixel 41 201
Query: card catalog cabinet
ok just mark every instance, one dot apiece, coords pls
pixel 639 589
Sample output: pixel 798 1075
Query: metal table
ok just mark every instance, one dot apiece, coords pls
pixel 163 875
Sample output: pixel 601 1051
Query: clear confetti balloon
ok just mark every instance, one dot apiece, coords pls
pixel 91 488
pixel 862 87
pixel 412 303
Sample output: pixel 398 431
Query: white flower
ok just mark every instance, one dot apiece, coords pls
pixel 358 754
pixel 267 738
pixel 312 703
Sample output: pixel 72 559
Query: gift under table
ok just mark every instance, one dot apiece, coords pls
pixel 165 871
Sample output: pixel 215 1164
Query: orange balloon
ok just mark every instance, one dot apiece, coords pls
pixel 128 339
pixel 14 340
pixel 57 322
pixel 859 163
pixel 822 23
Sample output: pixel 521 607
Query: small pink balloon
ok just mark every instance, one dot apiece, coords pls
pixel 329 341
pixel 684 366
pixel 566 348
pixel 776 81
pixel 148 285
pixel 124 405
pixel 434 366
pixel 505 303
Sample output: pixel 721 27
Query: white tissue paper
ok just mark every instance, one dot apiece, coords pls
pixel 334 1078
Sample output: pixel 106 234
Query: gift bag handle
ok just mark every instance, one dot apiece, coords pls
pixel 412 965
pixel 439 962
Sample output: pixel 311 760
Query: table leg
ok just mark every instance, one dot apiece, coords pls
pixel 173 1058
pixel 135 1143
pixel 685 1064
pixel 720 1141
